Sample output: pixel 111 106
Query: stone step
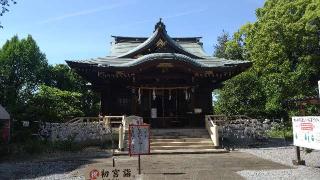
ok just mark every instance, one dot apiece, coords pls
pixel 179 132
pixel 180 140
pixel 184 144
pixel 179 151
pixel 182 147
pixel 179 137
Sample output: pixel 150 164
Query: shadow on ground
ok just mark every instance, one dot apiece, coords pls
pixel 243 143
pixel 51 165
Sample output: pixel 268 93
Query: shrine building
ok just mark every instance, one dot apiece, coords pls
pixel 166 80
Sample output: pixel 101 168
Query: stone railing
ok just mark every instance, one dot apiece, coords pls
pixel 241 131
pixel 81 128
pixel 82 131
pixel 212 130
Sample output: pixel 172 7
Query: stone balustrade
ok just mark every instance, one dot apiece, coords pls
pixel 79 132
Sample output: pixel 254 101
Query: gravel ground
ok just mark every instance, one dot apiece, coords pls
pixel 284 155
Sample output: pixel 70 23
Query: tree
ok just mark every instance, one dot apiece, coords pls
pixel 242 95
pixel 283 45
pixel 220 48
pixel 54 105
pixel 64 78
pixel 31 89
pixel 4 7
pixel 22 69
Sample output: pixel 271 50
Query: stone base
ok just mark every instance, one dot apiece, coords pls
pixel 296 162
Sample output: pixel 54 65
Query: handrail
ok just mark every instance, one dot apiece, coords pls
pixel 212 130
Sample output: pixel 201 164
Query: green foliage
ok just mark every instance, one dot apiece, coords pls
pixel 22 69
pixel 31 89
pixel 64 78
pixel 284 46
pixel 281 132
pixel 220 48
pixel 53 104
pixel 241 95
pixel 4 7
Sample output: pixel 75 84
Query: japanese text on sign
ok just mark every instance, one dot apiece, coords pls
pixel 139 139
pixel 306 131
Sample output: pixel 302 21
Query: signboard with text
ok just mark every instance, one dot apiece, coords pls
pixel 306 131
pixel 139 139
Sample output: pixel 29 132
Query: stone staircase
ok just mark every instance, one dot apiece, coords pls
pixel 181 140
pixel 178 141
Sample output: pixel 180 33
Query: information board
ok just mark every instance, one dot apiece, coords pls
pixel 139 139
pixel 306 131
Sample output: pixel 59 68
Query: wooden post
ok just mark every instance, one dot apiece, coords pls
pixel 139 164
pixel 298 161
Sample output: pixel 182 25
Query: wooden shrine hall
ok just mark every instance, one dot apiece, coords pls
pixel 167 81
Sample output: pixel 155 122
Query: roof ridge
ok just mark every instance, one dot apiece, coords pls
pixel 157 36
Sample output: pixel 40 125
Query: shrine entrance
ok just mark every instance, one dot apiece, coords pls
pixel 166 107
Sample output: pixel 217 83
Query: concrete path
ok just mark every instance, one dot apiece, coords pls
pixel 189 166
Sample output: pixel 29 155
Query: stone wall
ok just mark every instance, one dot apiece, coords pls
pixel 245 132
pixel 79 132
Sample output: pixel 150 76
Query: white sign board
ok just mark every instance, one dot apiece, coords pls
pixel 319 88
pixel 139 139
pixel 306 131
pixel 133 120
pixel 153 113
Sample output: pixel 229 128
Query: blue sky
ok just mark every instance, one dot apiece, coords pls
pixel 81 29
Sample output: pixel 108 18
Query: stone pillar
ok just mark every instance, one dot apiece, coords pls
pixel 121 138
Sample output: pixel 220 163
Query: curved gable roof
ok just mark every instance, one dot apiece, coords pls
pixel 159 35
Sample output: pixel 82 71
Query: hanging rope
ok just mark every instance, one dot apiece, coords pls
pixel 139 96
pixel 154 94
pixel 186 94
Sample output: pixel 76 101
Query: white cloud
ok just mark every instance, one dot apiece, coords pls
pixel 186 13
pixel 82 13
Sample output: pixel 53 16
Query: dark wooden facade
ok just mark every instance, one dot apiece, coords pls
pixel 168 81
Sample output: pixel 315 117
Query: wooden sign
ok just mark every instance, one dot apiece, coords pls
pixel 139 139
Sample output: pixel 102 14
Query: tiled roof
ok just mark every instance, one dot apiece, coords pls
pixel 125 50
pixel 129 62
pixel 119 48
